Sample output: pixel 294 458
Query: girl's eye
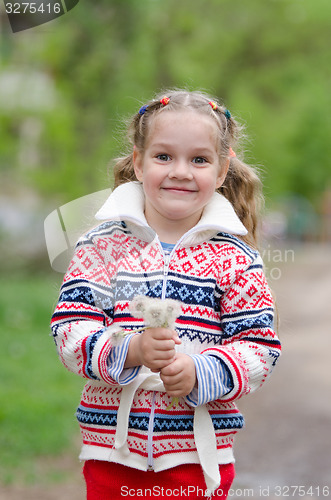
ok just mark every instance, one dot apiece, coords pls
pixel 200 160
pixel 163 157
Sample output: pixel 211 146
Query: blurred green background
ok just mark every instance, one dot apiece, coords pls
pixel 66 89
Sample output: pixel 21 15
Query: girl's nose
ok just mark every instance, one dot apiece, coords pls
pixel 181 170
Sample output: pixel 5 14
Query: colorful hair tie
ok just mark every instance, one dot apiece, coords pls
pixel 213 105
pixel 165 101
pixel 227 114
pixel 142 110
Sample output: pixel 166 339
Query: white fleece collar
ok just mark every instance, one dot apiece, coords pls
pixel 127 202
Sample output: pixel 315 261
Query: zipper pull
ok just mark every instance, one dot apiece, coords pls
pixel 166 263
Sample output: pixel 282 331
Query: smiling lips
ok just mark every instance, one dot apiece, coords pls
pixel 178 189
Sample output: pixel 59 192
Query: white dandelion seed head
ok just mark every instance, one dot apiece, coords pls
pixel 173 309
pixel 156 315
pixel 156 312
pixel 138 306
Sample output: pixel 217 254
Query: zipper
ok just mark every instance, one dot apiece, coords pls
pixel 150 460
pixel 167 256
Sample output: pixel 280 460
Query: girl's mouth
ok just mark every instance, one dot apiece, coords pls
pixel 177 189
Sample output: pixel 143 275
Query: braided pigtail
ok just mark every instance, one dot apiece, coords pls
pixel 123 170
pixel 242 185
pixel 243 188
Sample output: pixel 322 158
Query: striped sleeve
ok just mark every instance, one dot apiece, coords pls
pixel 117 357
pixel 82 323
pixel 214 380
pixel 250 347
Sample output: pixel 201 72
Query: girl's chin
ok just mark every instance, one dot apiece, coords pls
pixel 182 216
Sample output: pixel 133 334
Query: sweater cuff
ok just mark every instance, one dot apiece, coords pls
pixel 116 360
pixel 214 380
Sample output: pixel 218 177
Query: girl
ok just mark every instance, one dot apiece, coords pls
pixel 158 412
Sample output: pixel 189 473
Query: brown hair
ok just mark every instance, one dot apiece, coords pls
pixel 242 186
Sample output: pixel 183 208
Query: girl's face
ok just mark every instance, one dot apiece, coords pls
pixel 179 169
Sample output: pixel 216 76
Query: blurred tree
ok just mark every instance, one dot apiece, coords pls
pixel 269 62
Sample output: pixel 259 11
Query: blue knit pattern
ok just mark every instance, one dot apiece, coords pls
pixel 90 344
pixel 101 297
pixel 252 319
pixel 126 290
pixel 162 423
pixel 193 291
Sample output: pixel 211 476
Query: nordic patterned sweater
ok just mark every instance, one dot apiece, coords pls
pixel 226 321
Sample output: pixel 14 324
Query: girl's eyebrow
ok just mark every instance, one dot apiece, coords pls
pixel 160 145
pixel 197 150
pixel 203 151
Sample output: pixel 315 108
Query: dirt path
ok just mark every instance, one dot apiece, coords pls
pixel 287 440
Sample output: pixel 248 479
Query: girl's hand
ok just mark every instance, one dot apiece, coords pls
pixel 154 348
pixel 179 377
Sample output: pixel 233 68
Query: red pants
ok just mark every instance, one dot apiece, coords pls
pixel 111 481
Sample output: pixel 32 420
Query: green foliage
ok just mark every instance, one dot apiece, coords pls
pixel 38 395
pixel 268 60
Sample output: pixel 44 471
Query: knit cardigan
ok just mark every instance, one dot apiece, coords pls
pixel 226 319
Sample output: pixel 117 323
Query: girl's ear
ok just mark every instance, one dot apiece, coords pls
pixel 221 177
pixel 138 164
